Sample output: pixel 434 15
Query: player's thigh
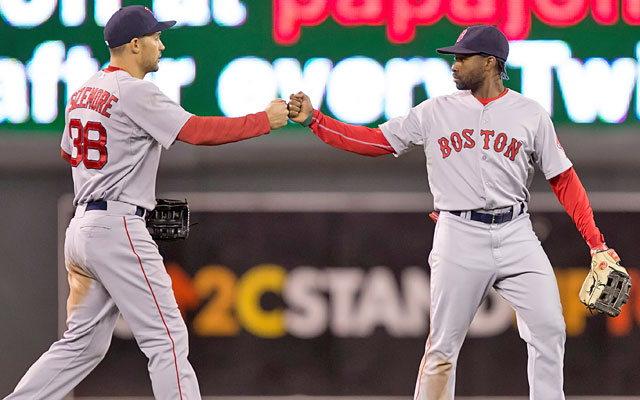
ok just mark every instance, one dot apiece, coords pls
pixel 88 302
pixel 136 278
pixel 533 293
pixel 462 272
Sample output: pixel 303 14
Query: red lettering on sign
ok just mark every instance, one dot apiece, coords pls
pixel 487 135
pixel 560 12
pixel 473 12
pixel 404 15
pixel 469 143
pixel 516 19
pixel 289 15
pixel 444 147
pixel 359 12
pixel 605 12
pixel 631 11
pixel 513 17
pixel 513 149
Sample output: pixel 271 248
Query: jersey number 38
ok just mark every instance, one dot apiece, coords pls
pixel 91 136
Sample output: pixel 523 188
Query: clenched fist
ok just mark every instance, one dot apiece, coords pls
pixel 278 113
pixel 300 108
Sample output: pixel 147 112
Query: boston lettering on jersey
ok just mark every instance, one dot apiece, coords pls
pixel 464 140
pixel 95 99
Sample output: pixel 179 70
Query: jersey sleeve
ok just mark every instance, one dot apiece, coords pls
pixel 405 133
pixel 548 152
pixel 152 110
pixel 66 143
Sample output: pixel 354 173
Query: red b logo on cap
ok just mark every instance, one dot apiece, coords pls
pixel 461 35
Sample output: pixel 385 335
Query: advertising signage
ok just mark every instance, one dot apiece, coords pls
pixel 361 61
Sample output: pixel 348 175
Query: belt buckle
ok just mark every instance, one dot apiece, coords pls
pixel 493 218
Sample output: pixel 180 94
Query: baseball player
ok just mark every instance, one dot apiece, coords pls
pixel 116 125
pixel 480 144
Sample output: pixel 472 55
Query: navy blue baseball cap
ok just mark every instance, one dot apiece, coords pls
pixel 132 22
pixel 486 40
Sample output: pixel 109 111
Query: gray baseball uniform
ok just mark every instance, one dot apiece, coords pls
pixel 481 158
pixel 115 128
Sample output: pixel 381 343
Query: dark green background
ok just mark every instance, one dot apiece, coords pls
pixel 212 47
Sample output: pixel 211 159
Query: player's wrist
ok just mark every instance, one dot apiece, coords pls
pixel 307 121
pixel 599 248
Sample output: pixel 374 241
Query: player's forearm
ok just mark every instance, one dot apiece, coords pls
pixel 573 197
pixel 212 131
pixel 353 138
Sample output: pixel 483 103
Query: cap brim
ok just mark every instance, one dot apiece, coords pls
pixel 455 50
pixel 160 26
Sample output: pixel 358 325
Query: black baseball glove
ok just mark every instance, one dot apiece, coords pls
pixel 169 220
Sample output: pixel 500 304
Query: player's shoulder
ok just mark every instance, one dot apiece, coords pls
pixel 433 103
pixel 455 97
pixel 521 101
pixel 517 97
pixel 128 82
pixel 133 89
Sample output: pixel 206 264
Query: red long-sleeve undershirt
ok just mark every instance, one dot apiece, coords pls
pixel 573 197
pixel 212 131
pixel 371 142
pixel 356 139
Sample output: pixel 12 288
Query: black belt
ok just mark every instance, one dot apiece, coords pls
pixel 489 218
pixel 102 205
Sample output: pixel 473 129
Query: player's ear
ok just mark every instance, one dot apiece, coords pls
pixel 490 63
pixel 135 45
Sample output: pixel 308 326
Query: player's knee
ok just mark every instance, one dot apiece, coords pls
pixel 438 362
pixel 173 340
pixel 99 349
pixel 552 328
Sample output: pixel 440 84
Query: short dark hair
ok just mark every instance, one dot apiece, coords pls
pixel 501 64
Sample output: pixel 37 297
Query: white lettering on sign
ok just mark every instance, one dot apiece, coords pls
pixel 537 59
pixel 596 88
pixel 27 13
pixel 185 12
pixel 312 79
pixel 353 302
pixel 229 12
pixel 43 71
pixel 14 106
pixel 246 85
pixel 356 89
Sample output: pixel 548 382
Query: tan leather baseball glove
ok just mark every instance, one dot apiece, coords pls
pixel 606 288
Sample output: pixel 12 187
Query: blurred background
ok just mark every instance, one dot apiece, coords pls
pixel 306 273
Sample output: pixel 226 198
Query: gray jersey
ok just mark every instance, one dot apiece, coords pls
pixel 479 157
pixel 115 128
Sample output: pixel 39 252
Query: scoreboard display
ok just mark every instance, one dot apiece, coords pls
pixel 361 61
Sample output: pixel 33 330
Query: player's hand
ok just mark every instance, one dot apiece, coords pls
pixel 277 113
pixel 300 108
